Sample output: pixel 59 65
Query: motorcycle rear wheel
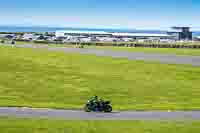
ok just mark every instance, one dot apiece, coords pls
pixel 86 108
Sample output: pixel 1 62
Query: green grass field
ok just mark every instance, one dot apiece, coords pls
pixel 40 78
pixel 195 52
pixel 8 125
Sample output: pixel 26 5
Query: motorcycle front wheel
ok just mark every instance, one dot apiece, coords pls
pixel 108 109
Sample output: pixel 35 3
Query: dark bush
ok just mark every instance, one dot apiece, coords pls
pixel 41 42
pixel 2 41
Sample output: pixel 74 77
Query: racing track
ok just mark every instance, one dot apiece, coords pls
pixel 81 115
pixel 162 58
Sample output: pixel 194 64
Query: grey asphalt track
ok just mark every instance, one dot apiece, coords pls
pixel 81 115
pixel 162 58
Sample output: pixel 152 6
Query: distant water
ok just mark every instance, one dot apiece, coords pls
pixel 53 29
pixel 196 33
pixel 28 29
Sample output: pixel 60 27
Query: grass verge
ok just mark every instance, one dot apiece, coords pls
pixel 8 125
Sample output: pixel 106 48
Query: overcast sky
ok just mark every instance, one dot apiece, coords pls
pixel 140 14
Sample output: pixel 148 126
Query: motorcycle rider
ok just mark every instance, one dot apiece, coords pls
pixel 98 105
pixel 95 101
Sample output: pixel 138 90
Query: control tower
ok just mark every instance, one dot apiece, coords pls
pixel 181 33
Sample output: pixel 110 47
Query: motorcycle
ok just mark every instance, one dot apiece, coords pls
pixel 101 106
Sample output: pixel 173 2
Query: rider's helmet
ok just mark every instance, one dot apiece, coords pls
pixel 101 100
pixel 95 97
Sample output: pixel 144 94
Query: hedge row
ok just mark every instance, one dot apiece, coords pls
pixel 146 45
pixel 192 46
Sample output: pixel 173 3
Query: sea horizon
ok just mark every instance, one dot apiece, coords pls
pixel 54 29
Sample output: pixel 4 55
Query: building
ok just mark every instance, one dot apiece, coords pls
pixel 108 34
pixel 140 35
pixel 197 38
pixel 65 33
pixel 8 36
pixel 181 33
pixel 27 36
pixel 127 39
pixel 107 39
